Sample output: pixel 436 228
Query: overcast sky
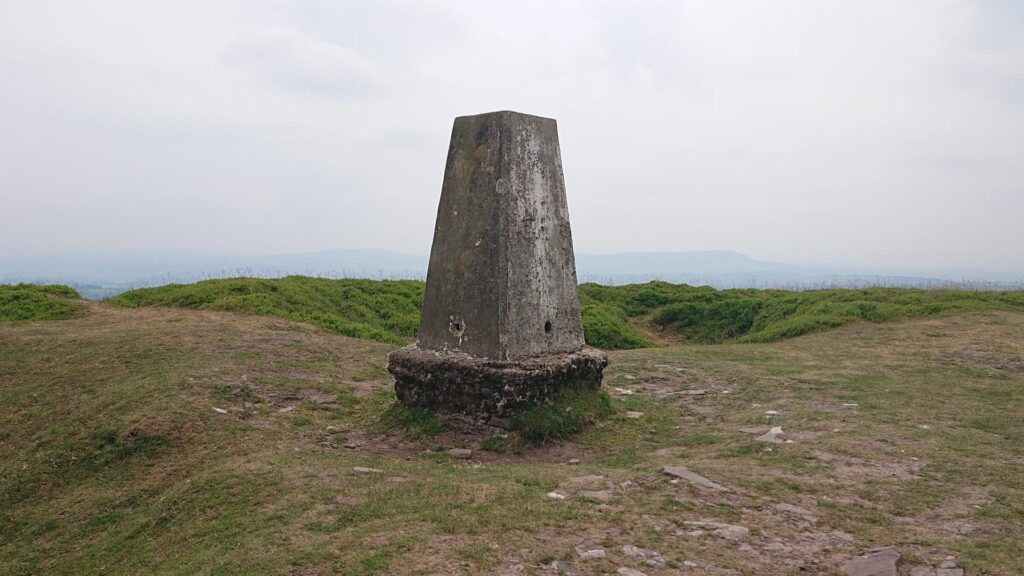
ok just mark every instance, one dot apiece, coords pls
pixel 859 132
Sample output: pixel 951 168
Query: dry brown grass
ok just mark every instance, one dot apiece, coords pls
pixel 114 461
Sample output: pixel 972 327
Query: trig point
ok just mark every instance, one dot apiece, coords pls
pixel 500 328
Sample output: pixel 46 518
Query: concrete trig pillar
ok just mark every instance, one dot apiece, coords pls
pixel 500 326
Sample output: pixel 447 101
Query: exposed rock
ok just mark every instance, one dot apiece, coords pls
pixel 565 569
pixel 512 566
pixel 220 410
pixel 922 571
pixel 461 453
pixel 649 557
pixel 710 568
pixel 557 495
pixel 629 572
pixel 874 563
pixel 590 551
pixel 599 496
pixel 775 436
pixel 692 477
pixel 624 391
pixel 793 509
pixel 949 572
pixel 589 480
pixel 634 414
pixel 723 530
pixel 754 430
pixel 365 470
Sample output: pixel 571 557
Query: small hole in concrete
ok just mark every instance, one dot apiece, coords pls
pixel 547 326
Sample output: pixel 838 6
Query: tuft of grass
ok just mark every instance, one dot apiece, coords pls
pixel 38 302
pixel 497 444
pixel 572 412
pixel 416 421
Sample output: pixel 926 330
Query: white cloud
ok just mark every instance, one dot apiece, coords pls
pixel 847 132
pixel 291 60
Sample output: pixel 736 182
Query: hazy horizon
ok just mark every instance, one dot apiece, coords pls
pixel 843 134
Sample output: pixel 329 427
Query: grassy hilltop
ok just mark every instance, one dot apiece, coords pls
pixel 168 440
pixel 38 302
pixel 614 317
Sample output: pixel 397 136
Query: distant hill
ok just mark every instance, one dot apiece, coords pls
pixel 103 274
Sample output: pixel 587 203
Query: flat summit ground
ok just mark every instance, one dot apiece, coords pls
pixel 158 440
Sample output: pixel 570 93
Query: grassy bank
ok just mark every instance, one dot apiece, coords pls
pixel 614 317
pixel 703 314
pixel 37 302
pixel 385 311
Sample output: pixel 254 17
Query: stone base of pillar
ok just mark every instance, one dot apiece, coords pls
pixel 486 389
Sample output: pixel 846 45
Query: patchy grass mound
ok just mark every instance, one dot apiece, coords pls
pixel 385 311
pixel 614 317
pixel 38 302
pixel 381 310
pixel 705 315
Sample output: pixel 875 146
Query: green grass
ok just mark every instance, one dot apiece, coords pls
pixel 385 311
pixel 706 315
pixel 572 412
pixel 415 421
pixel 614 317
pixel 37 302
pixel 113 459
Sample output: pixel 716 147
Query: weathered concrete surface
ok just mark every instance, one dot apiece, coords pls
pixel 502 277
pixel 500 327
pixel 458 382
